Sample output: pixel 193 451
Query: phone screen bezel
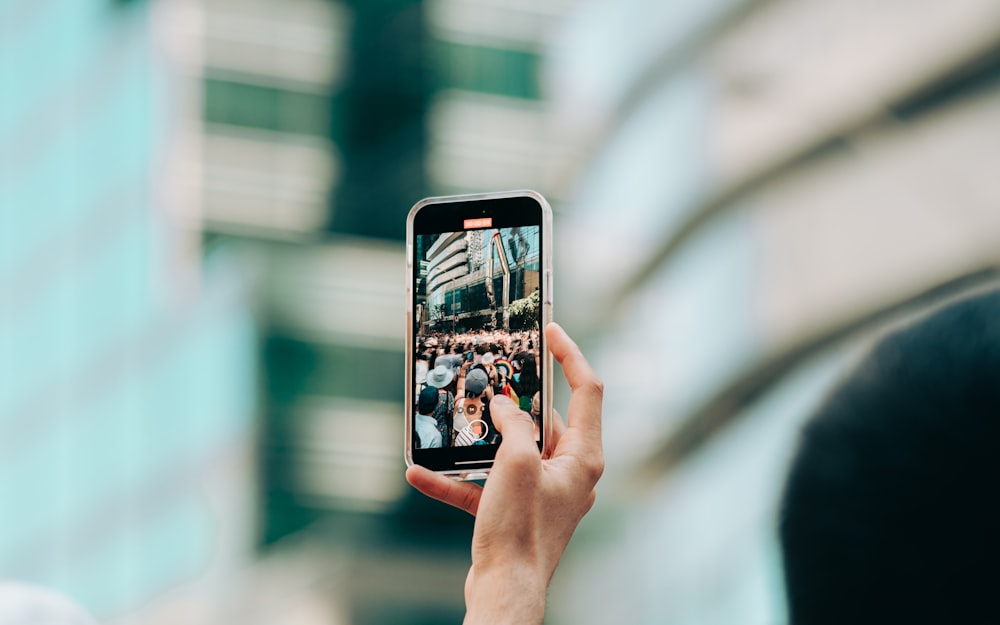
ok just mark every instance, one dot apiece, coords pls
pixel 448 214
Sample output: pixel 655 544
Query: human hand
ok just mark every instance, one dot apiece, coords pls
pixel 530 505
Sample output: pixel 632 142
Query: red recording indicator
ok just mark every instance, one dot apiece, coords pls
pixel 484 222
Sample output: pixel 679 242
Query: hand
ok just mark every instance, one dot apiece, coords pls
pixel 530 506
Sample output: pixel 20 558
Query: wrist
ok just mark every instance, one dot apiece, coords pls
pixel 509 595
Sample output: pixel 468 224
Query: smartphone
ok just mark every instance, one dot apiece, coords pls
pixel 478 285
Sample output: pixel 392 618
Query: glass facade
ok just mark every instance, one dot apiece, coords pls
pixel 127 365
pixel 737 260
pixel 457 293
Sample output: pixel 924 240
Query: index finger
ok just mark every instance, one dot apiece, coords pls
pixel 587 390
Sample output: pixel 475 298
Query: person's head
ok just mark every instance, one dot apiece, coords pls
pixel 890 513
pixel 476 382
pixel 528 367
pixel 427 401
pixel 529 382
pixel 518 357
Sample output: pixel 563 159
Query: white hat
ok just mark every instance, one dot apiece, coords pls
pixel 441 376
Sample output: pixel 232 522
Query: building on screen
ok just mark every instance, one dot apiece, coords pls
pixel 479 279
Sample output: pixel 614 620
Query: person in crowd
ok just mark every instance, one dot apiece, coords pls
pixel 536 412
pixel 487 362
pixel 475 425
pixel 526 382
pixel 887 515
pixel 487 366
pixel 440 378
pixel 503 386
pixel 421 366
pixel 427 431
pixel 450 358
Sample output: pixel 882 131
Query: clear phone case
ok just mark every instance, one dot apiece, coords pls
pixel 545 262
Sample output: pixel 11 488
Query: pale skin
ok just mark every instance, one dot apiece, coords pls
pixel 530 505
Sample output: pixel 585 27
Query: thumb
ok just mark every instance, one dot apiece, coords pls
pixel 510 420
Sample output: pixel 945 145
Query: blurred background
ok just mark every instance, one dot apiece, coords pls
pixel 202 208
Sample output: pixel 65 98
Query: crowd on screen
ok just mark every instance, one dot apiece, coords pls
pixel 457 374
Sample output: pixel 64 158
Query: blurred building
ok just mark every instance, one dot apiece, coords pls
pixel 307 129
pixel 127 358
pixel 756 189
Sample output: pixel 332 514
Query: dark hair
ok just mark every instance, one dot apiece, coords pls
pixel 889 512
pixel 427 401
pixel 528 384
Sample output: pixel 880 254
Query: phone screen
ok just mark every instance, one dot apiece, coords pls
pixel 477 312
